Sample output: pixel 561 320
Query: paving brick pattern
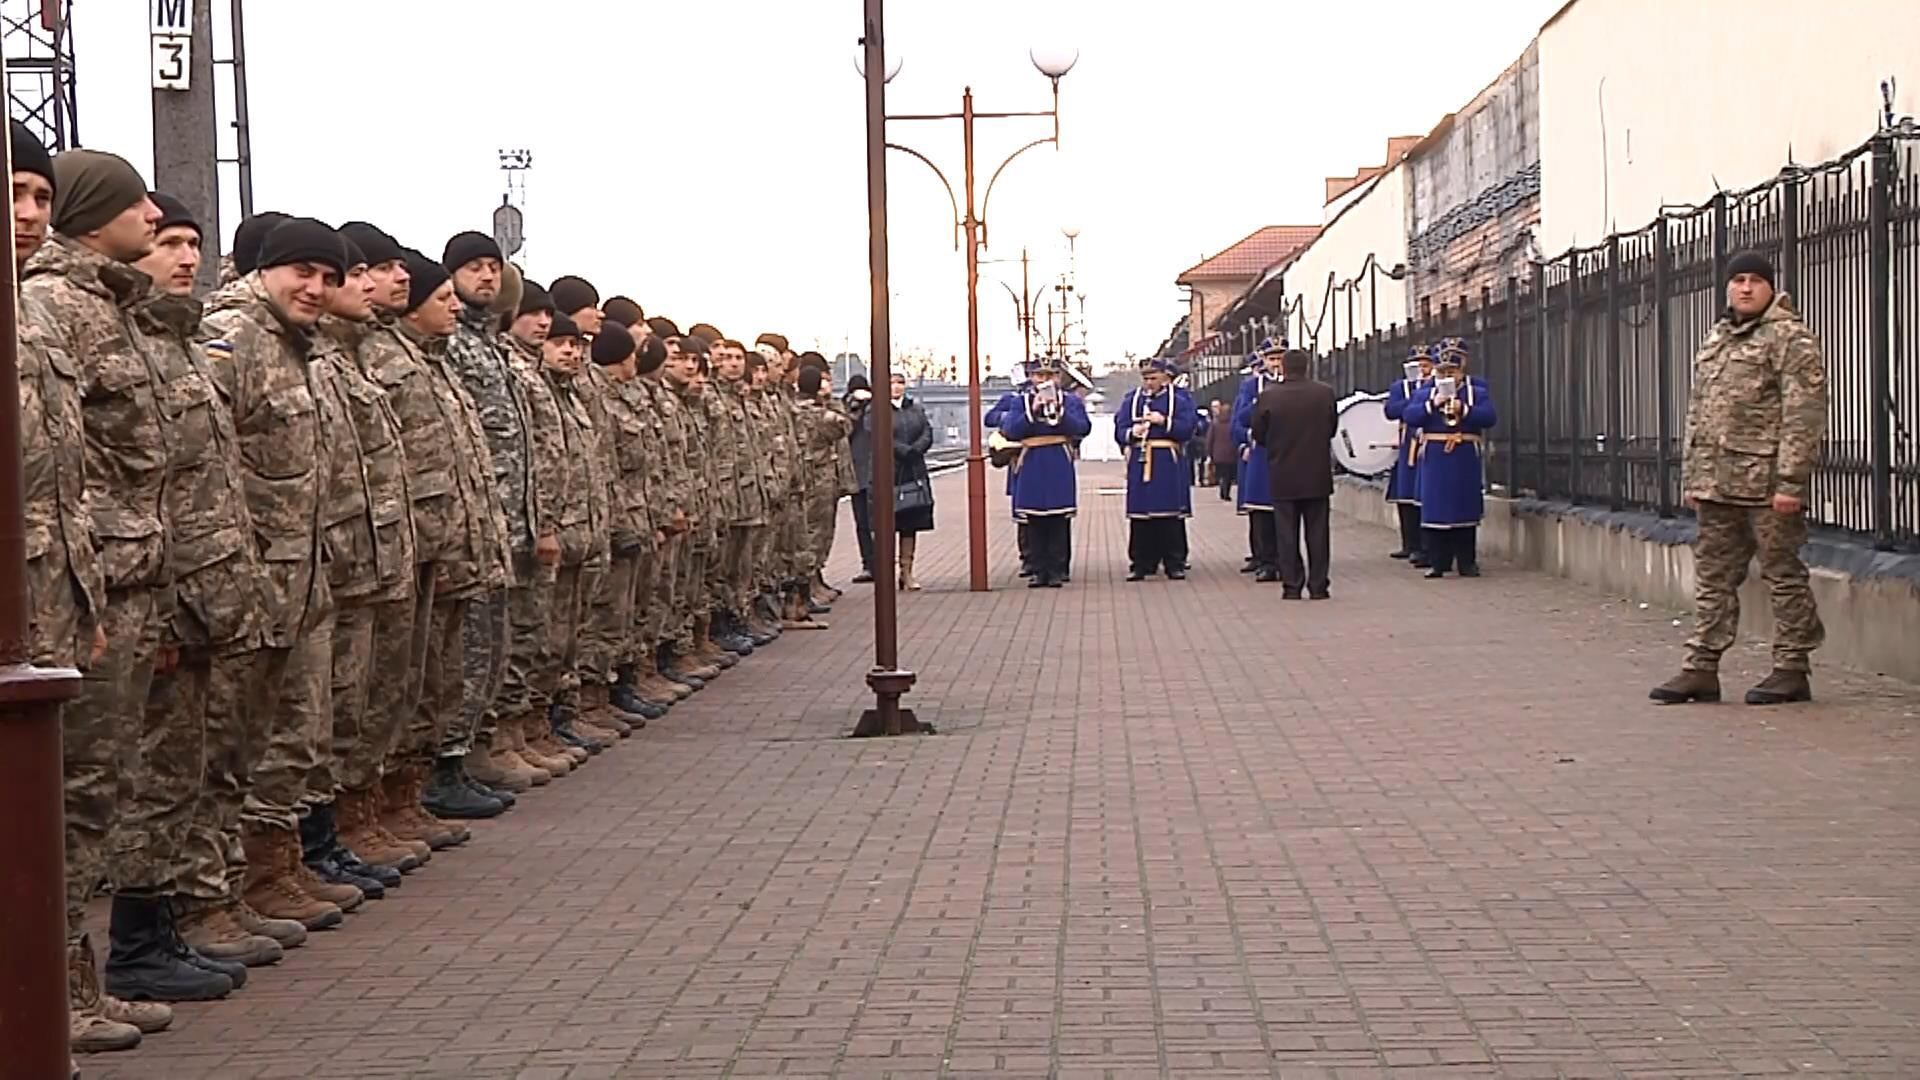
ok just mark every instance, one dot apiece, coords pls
pixel 1167 829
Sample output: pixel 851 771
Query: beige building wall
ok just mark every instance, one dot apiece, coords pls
pixel 1209 299
pixel 1695 91
pixel 1373 222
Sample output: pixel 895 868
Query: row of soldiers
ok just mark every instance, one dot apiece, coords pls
pixel 364 546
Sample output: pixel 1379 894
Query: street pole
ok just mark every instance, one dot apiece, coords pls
pixel 1026 307
pixel 976 453
pixel 242 123
pixel 886 679
pixel 186 143
pixel 33 900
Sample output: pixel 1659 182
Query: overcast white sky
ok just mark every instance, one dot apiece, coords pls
pixel 706 158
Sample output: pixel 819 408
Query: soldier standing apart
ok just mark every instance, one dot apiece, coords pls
pixel 1754 425
pixel 830 464
pixel 373 561
pixel 1154 422
pixel 1045 490
pixel 271 371
pixel 475 354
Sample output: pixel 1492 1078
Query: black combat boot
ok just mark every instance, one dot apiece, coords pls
pixel 447 794
pixel 169 925
pixel 320 849
pixel 628 704
pixel 671 669
pixel 143 963
pixel 561 718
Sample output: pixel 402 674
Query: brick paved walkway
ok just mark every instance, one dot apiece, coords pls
pixel 1431 829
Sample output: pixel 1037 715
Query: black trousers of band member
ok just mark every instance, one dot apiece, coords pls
pixel 1153 543
pixel 1291 517
pixel 1023 537
pixel 1050 541
pixel 1260 539
pixel 863 528
pixel 1410 531
pixel 1448 549
pixel 1224 473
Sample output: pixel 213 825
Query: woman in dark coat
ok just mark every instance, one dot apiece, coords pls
pixel 859 399
pixel 912 437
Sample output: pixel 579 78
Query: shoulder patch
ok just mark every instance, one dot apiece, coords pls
pixel 218 349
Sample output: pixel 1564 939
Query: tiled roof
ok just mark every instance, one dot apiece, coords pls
pixel 1259 251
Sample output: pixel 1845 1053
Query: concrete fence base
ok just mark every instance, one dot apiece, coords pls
pixel 1869 600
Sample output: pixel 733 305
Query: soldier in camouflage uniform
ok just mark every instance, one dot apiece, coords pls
pixel 796 548
pixel 680 508
pixel 270 370
pixel 460 537
pixel 1754 426
pixel 370 539
pixel 80 281
pixel 531 680
pixel 206 705
pixel 669 485
pixel 828 426
pixel 724 445
pixel 691 590
pixel 477 356
pixel 65 591
pixel 743 428
pixel 776 440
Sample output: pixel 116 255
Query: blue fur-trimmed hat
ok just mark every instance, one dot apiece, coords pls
pixel 1422 351
pixel 1159 363
pixel 1271 347
pixel 1451 351
pixel 1043 363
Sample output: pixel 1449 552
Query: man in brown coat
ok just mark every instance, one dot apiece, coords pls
pixel 1293 423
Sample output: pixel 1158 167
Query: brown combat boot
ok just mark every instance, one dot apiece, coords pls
pixel 481 765
pixel 541 749
pixel 344 897
pixel 509 763
pixel 89 1030
pixel 657 687
pixel 797 615
pixel 517 751
pixel 290 934
pixel 209 928
pixel 272 888
pixel 1780 687
pixel 396 816
pixel 597 729
pixel 357 815
pixel 442 833
pixel 1687 686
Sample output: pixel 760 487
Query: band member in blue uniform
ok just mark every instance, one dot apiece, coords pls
pixel 1045 423
pixel 996 419
pixel 1153 423
pixel 1451 413
pixel 1249 373
pixel 1403 484
pixel 1255 500
pixel 1197 442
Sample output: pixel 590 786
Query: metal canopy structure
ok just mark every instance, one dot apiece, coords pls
pixel 37 38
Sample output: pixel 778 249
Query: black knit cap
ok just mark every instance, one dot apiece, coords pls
pixel 299 239
pixel 622 310
pixel 612 345
pixel 571 294
pixel 468 246
pixel 248 238
pixel 377 245
pixel 1751 262
pixel 663 327
pixel 425 278
pixel 533 299
pixel 564 327
pixel 30 155
pixel 652 353
pixel 355 256
pixel 173 212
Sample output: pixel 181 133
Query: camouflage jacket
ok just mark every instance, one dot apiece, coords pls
pixel 1758 410
pixel 544 436
pixel 219 603
pixel 85 298
pixel 822 430
pixel 676 464
pixel 64 588
pixel 581 508
pixel 630 432
pixel 272 377
pixel 458 523
pixel 476 354
pixel 848 482
pixel 698 425
pixel 744 434
pixel 775 439
pixel 388 505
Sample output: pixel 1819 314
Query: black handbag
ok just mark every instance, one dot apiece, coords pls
pixel 913 495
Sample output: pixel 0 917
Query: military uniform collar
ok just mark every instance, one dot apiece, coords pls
pixel 117 281
pixel 165 312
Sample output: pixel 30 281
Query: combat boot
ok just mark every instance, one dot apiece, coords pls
pixel 89 1030
pixel 483 766
pixel 271 888
pixel 708 651
pixel 323 857
pixel 343 896
pixel 286 932
pixel 209 930
pixel 513 773
pixel 601 728
pixel 1780 687
pixel 541 749
pixel 553 742
pixel 170 926
pixel 624 702
pixel 518 753
pixel 147 1017
pixel 356 814
pixel 146 963
pixel 448 796
pixel 400 814
pixel 562 720
pixel 1687 686
pixel 797 617
pixel 503 797
pixel 654 686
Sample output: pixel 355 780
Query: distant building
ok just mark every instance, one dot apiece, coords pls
pixel 1215 284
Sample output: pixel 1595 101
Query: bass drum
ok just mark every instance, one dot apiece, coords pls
pixel 1364 440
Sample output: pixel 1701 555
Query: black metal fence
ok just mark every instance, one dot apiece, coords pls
pixel 1590 359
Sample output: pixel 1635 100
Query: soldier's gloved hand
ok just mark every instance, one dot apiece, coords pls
pixel 1787 504
pixel 547 550
pixel 166 659
pixel 99 644
pixel 659 539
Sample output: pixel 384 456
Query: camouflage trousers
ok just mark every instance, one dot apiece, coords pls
pixel 743 543
pixel 610 638
pixel 414 731
pixel 1730 538
pixel 560 656
pixel 485 636
pixel 529 681
pixel 373 661
pixel 232 694
pixel 99 734
pixel 690 592
pixel 796 543
pixel 296 761
pixel 437 719
pixel 823 514
pixel 659 618
pixel 767 572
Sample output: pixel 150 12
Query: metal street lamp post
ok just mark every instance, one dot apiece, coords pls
pixel 972 228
